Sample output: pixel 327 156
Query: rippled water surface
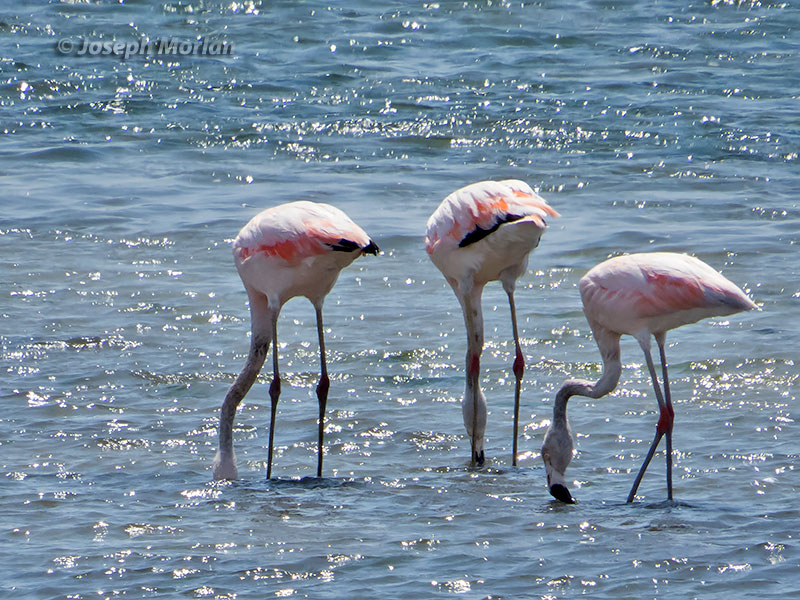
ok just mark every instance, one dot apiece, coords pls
pixel 648 126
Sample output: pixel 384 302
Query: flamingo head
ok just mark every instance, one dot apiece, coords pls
pixel 225 465
pixel 557 454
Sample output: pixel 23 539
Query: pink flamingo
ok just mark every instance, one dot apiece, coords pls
pixel 639 295
pixel 295 249
pixel 481 233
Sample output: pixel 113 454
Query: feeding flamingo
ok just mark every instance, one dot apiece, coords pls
pixel 480 233
pixel 639 295
pixel 295 249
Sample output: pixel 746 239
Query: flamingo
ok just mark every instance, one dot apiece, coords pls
pixel 480 233
pixel 295 249
pixel 639 295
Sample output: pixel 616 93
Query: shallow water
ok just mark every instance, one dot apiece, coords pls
pixel 123 321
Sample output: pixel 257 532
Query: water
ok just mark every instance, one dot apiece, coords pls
pixel 649 126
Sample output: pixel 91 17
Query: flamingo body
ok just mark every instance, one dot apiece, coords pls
pixel 641 295
pixel 480 233
pixel 295 249
pixel 483 230
pixel 655 292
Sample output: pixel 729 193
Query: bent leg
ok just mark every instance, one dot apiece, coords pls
pixel 660 427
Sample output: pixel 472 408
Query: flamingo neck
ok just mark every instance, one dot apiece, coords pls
pixel 244 381
pixel 470 299
pixel 608 343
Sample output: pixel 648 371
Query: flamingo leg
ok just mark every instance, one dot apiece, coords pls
pixel 643 468
pixel 519 370
pixel 473 372
pixel 659 427
pixel 322 389
pixel 669 409
pixel 274 391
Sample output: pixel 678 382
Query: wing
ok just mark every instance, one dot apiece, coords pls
pixel 474 212
pixel 298 230
pixel 644 286
pixel 676 282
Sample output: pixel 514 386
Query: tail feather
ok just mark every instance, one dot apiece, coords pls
pixel 345 245
pixel 738 301
pixel 371 248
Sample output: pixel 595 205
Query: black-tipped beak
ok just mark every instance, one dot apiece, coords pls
pixel 479 458
pixel 560 492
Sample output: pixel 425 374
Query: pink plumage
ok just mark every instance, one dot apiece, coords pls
pixel 297 249
pixel 482 206
pixel 296 231
pixel 656 292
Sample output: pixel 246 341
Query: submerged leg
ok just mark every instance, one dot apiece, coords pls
pixel 660 427
pixel 274 391
pixel 477 456
pixel 660 338
pixel 519 370
pixel 322 389
pixel 643 468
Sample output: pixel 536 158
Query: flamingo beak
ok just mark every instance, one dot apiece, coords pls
pixel 478 458
pixel 557 485
pixel 560 492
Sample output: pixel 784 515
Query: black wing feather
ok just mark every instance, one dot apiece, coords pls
pixel 479 233
pixel 345 245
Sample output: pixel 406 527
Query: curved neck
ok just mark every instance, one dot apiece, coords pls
pixel 474 404
pixel 470 299
pixel 244 381
pixel 608 343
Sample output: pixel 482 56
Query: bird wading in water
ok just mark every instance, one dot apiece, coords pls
pixel 641 295
pixel 295 249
